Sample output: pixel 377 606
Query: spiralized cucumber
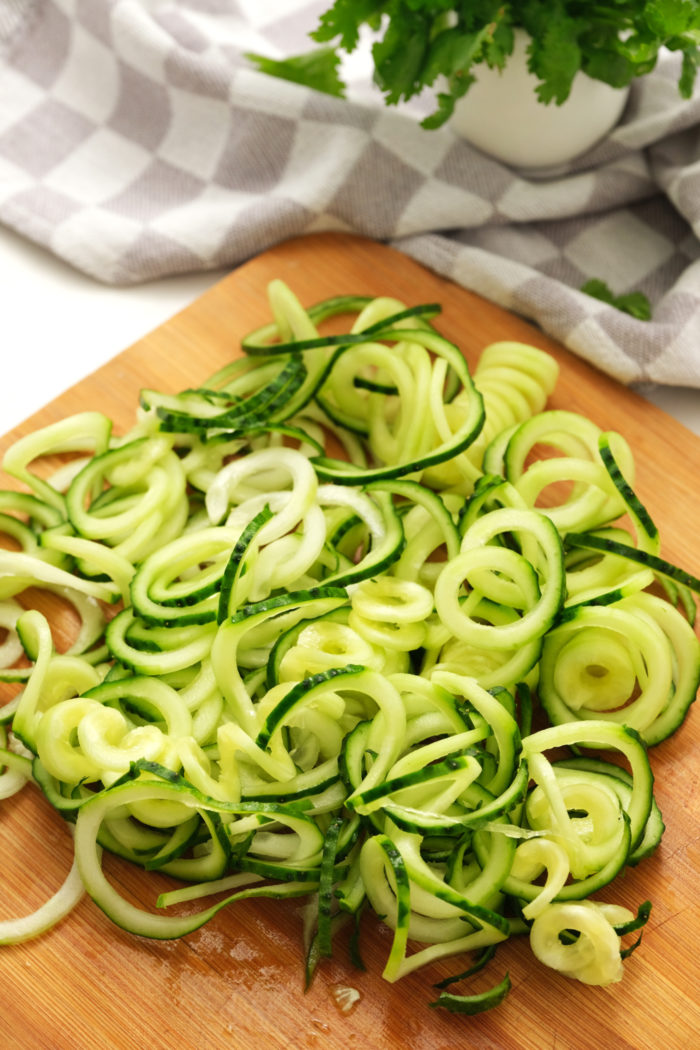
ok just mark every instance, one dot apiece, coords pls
pixel 315 679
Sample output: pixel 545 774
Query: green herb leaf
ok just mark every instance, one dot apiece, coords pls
pixel 499 44
pixel 689 69
pixel 445 109
pixel 315 69
pixel 450 52
pixel 399 57
pixel 636 304
pixel 612 67
pixel 671 17
pixel 556 59
pixel 344 19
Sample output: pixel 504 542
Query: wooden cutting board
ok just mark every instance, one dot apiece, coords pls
pixel 238 982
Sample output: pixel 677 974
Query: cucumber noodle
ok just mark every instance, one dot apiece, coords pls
pixel 318 598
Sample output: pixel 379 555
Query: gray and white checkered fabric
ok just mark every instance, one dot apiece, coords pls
pixel 137 141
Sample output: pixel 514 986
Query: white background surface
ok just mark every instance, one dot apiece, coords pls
pixel 58 325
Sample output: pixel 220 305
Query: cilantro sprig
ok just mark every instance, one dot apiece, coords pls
pixel 636 304
pixel 436 44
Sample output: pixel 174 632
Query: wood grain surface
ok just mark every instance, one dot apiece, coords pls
pixel 238 982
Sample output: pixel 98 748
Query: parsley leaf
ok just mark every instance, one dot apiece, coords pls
pixel 399 57
pixel 670 17
pixel 344 19
pixel 556 59
pixel 635 304
pixel 316 69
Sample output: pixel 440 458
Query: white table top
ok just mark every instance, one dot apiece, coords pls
pixel 59 325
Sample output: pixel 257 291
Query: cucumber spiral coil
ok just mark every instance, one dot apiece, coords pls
pixel 514 380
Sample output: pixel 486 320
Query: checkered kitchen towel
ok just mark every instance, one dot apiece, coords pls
pixel 136 141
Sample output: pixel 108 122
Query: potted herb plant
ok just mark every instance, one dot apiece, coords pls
pixel 495 68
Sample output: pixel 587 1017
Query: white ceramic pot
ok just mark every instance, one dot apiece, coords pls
pixel 500 114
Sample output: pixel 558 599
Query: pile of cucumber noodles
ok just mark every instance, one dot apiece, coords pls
pixel 325 603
